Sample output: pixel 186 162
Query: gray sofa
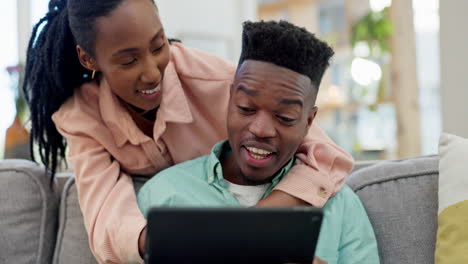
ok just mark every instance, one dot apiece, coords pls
pixel 40 225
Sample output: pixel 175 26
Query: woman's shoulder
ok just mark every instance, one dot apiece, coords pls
pixel 82 106
pixel 197 64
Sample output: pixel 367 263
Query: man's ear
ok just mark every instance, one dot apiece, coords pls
pixel 86 60
pixel 311 117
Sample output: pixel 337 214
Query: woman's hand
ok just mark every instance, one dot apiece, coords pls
pixel 142 242
pixel 319 261
pixel 280 199
pixel 316 261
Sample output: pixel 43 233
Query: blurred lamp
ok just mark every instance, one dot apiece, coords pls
pixel 365 72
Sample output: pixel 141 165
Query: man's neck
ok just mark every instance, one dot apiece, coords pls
pixel 232 171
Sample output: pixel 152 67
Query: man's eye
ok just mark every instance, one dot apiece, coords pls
pixel 130 62
pixel 245 109
pixel 286 119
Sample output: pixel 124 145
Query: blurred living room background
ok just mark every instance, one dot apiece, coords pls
pixel 395 83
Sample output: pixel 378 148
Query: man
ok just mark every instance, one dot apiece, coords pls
pixel 271 108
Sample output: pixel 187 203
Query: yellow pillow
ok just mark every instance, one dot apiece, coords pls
pixel 452 232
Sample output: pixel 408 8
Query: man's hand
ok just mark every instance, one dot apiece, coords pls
pixel 280 199
pixel 142 242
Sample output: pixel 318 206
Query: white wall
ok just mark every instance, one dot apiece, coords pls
pixel 426 23
pixel 8 57
pixel 454 70
pixel 24 27
pixel 211 25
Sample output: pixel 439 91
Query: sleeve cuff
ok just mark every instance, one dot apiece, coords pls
pixel 308 185
pixel 132 234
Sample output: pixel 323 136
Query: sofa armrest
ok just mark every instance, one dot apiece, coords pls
pixel 28 213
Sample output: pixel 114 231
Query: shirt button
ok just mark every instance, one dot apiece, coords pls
pixel 322 192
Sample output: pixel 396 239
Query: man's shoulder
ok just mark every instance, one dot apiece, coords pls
pixel 346 192
pixel 345 200
pixel 189 166
pixel 187 169
pixel 173 185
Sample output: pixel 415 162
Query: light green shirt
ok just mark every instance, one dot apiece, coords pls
pixel 346 235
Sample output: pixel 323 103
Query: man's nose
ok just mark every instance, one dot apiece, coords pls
pixel 262 126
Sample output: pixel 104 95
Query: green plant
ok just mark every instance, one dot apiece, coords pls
pixel 375 28
pixel 17 76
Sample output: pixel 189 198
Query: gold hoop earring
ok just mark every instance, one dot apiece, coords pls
pixel 92 75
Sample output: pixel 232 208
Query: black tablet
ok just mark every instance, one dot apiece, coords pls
pixel 232 235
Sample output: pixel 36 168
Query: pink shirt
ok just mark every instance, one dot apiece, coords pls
pixel 106 148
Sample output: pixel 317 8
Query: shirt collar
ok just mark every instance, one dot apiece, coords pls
pixel 214 167
pixel 116 117
pixel 174 108
pixel 174 105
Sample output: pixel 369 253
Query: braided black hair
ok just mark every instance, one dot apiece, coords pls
pixel 53 70
pixel 286 45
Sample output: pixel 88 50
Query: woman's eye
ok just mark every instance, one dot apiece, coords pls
pixel 130 62
pixel 158 49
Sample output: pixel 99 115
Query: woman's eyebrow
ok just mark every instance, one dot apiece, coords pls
pixel 136 49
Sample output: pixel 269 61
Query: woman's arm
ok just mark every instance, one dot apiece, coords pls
pixel 320 171
pixel 107 200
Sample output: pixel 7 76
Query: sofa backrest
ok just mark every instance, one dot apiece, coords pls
pixel 400 198
pixel 72 240
pixel 28 213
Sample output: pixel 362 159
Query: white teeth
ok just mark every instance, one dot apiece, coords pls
pixel 150 91
pixel 257 157
pixel 258 151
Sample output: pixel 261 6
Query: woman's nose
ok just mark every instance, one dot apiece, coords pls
pixel 151 73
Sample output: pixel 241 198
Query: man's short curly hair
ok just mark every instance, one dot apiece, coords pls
pixel 286 45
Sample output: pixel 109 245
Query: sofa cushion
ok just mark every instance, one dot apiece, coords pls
pixel 28 213
pixel 452 243
pixel 400 198
pixel 72 239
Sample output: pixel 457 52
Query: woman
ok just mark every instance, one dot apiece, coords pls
pixel 103 76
